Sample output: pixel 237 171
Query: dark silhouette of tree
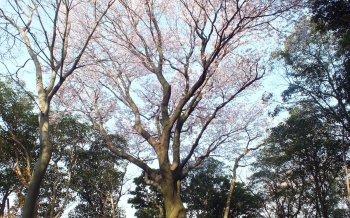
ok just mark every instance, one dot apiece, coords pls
pixel 316 72
pixel 299 171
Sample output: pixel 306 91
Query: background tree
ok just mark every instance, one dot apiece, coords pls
pixel 68 136
pixel 147 200
pixel 300 168
pixel 75 144
pixel 316 72
pixel 8 184
pixel 98 179
pixel 204 191
pixel 18 133
pixel 252 132
pixel 333 16
pixel 317 67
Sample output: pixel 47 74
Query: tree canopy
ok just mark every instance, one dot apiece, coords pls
pixel 300 169
pixel 316 72
pixel 170 83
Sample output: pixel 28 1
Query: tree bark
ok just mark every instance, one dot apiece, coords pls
pixel 234 173
pixel 232 186
pixel 3 203
pixel 30 202
pixel 174 207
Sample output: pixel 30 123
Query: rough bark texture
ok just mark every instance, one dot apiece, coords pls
pixel 174 207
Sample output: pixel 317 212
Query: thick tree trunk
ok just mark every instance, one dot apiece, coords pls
pixel 30 202
pixel 174 207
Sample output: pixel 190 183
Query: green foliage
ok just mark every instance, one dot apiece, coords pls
pixel 80 165
pixel 67 136
pixel 18 144
pixel 97 179
pixel 8 182
pixel 300 169
pixel 244 203
pixel 204 191
pixel 18 129
pixel 331 15
pixel 317 71
pixel 147 200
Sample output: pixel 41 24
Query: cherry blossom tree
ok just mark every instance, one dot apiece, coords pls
pixel 172 77
pixel 36 36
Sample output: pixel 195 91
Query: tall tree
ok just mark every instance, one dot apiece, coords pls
pixel 172 74
pixel 44 30
pixel 68 136
pixel 77 151
pixel 333 17
pixel 316 73
pixel 300 168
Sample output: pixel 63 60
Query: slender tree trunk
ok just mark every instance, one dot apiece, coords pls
pixel 112 204
pixel 232 187
pixel 3 205
pixel 234 175
pixel 346 168
pixel 30 202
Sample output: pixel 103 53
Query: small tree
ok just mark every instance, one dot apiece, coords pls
pixel 147 200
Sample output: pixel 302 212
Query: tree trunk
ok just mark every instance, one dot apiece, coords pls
pixel 232 188
pixel 3 203
pixel 30 203
pixel 233 181
pixel 174 207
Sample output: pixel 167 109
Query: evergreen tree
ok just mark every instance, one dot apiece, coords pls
pixel 299 171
